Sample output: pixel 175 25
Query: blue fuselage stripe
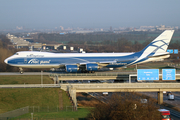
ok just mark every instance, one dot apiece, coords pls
pixel 73 60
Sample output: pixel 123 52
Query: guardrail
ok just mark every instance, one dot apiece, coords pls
pixel 30 86
pixel 126 85
pixel 110 87
pixel 96 74
pixel 91 74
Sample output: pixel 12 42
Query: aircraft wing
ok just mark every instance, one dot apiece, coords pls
pixel 85 66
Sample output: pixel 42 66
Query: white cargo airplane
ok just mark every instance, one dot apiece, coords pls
pixel 74 62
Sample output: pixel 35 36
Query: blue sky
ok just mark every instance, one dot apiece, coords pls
pixel 88 13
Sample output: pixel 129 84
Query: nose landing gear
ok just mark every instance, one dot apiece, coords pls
pixel 21 71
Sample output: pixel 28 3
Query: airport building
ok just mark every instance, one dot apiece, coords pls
pixel 18 42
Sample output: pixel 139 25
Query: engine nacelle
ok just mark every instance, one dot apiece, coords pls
pixel 72 68
pixel 92 67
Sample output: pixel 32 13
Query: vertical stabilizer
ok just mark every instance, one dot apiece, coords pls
pixel 160 44
pixel 157 47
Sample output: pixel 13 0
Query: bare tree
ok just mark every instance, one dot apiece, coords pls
pixel 125 106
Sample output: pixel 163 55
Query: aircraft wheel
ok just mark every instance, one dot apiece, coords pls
pixel 21 70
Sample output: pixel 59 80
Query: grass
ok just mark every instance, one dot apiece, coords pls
pixel 11 99
pixel 80 113
pixel 24 79
pixel 15 98
pixel 149 65
pixel 153 65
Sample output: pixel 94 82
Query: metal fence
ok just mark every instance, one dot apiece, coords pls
pixel 92 74
pixel 45 118
pixel 35 109
pixel 14 113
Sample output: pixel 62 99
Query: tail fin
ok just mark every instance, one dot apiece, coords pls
pixel 160 44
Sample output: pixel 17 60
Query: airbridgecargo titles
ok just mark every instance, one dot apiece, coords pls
pixel 90 62
pixel 36 61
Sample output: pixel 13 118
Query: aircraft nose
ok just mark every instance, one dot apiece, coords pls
pixel 6 61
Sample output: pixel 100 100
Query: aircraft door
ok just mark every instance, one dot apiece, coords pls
pixel 25 60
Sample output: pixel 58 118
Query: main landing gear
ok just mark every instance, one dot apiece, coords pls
pixel 21 71
pixel 85 71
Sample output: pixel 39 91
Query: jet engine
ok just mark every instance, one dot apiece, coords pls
pixel 92 67
pixel 72 68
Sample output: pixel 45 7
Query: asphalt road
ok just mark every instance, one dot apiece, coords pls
pixel 175 115
pixel 176 102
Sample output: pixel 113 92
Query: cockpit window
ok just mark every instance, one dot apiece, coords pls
pixel 17 54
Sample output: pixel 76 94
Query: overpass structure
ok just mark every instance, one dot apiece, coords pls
pixel 106 87
pixel 121 87
pixel 113 87
pixel 98 76
pixel 91 76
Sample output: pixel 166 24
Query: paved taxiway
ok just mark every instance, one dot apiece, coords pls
pixel 25 73
pixel 48 73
